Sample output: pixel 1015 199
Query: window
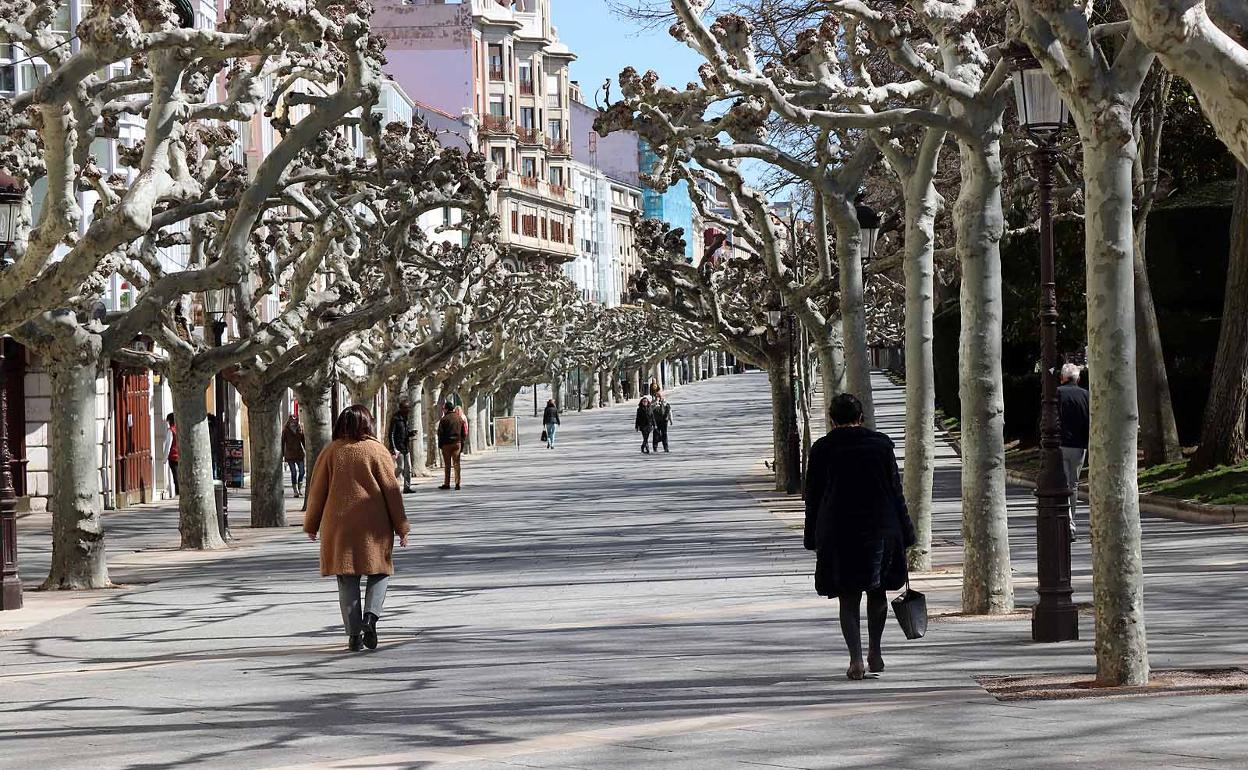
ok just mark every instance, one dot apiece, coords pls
pixel 545 237
pixel 496 62
pixel 499 156
pixel 526 118
pixel 496 108
pixel 526 78
pixel 554 129
pixel 554 97
pixel 528 167
pixel 556 175
pixel 515 220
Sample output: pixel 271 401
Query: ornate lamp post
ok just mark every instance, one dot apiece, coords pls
pixel 869 224
pixel 1043 115
pixel 11 198
pixel 215 308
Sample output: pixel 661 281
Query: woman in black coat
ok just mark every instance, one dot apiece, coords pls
pixel 645 423
pixel 858 526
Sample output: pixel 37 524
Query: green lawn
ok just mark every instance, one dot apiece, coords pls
pixel 1221 486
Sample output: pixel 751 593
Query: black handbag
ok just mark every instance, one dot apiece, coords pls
pixel 543 435
pixel 910 607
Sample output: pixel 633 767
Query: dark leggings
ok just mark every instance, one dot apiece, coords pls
pixel 851 624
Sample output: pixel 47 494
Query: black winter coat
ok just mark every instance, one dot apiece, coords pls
pixel 550 416
pixel 645 419
pixel 856 518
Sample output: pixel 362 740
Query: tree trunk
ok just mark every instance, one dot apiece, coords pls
pixel 415 395
pixel 1224 436
pixel 482 410
pixel 1117 567
pixel 264 429
pixel 831 354
pixel 197 509
pixel 315 417
pixel 591 390
pixel 429 415
pixel 781 402
pixel 922 205
pixel 987 587
pixel 853 310
pixel 78 554
pixel 1159 434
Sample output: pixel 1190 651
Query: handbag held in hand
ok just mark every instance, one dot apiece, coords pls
pixel 910 607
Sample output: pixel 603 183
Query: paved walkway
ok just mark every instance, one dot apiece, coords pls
pixel 589 607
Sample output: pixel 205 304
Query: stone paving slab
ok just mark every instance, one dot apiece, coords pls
pixel 589 607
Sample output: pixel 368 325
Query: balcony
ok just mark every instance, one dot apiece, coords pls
pixel 496 74
pixel 559 146
pixel 530 136
pixel 526 87
pixel 497 124
pixel 531 185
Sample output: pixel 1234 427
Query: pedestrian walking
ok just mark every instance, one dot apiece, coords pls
pixel 662 419
pixel 1074 414
pixel 452 431
pixel 356 508
pixel 399 438
pixel 645 423
pixel 857 525
pixel 293 452
pixel 171 455
pixel 550 421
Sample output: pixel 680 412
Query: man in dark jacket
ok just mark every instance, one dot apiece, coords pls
pixel 662 418
pixel 452 432
pixel 1074 412
pixel 858 526
pixel 399 437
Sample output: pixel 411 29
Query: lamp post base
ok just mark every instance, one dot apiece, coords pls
pixel 1056 623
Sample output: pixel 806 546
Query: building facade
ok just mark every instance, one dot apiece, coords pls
pixel 501 70
pixel 672 205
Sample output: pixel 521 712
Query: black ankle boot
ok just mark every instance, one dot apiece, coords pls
pixel 353 643
pixel 370 630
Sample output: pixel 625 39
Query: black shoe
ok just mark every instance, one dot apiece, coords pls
pixel 456 487
pixel 408 490
pixel 445 486
pixel 370 631
pixel 353 643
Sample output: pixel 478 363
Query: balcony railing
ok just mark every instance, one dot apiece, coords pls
pixel 529 135
pixel 558 190
pixel 531 182
pixel 559 146
pixel 535 185
pixel 496 74
pixel 497 124
pixel 526 87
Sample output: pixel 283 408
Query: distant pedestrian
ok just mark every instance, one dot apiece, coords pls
pixel 399 438
pixel 858 526
pixel 452 432
pixel 355 506
pixel 662 419
pixel 644 423
pixel 550 422
pixel 293 452
pixel 1075 414
pixel 171 455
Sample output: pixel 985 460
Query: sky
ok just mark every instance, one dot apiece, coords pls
pixel 605 44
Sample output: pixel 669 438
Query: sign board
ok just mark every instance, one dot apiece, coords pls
pixel 506 432
pixel 233 470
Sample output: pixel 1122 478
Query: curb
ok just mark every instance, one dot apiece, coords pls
pixel 1164 507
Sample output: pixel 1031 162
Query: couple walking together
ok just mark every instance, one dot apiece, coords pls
pixel 654 415
pixel 452 433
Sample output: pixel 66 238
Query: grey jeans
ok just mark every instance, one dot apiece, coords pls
pixel 403 468
pixel 349 599
pixel 1072 461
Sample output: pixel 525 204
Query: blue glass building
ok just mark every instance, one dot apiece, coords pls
pixel 673 206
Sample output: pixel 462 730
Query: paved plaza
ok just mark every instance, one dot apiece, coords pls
pixel 591 607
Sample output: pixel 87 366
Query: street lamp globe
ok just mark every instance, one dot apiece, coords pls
pixel 869 225
pixel 775 309
pixel 1041 110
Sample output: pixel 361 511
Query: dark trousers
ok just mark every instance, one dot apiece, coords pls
pixel 660 434
pixel 851 620
pixel 173 471
pixel 645 441
pixel 349 600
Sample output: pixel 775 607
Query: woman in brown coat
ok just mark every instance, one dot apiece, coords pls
pixel 355 505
